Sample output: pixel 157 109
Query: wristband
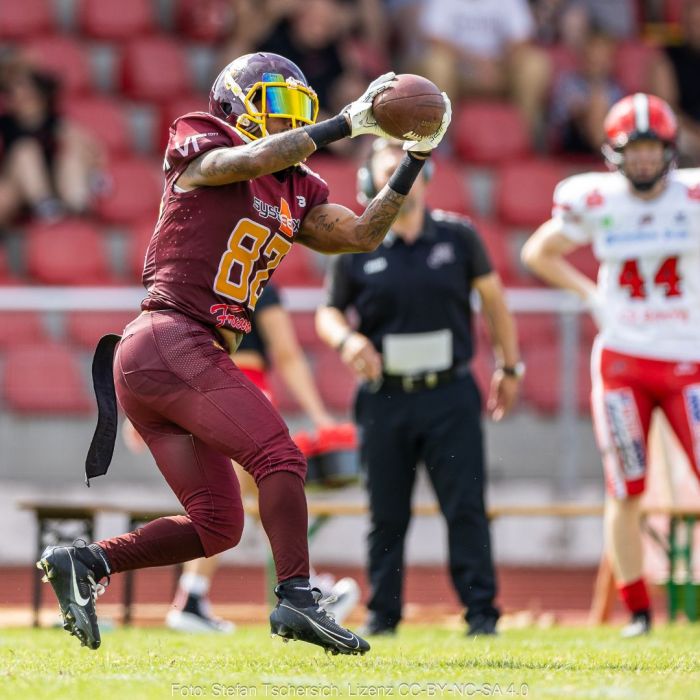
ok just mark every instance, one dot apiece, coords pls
pixel 328 131
pixel 517 370
pixel 405 175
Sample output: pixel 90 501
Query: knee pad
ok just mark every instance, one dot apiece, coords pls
pixel 285 456
pixel 219 529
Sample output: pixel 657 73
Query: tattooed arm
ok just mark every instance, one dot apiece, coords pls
pixel 332 228
pixel 221 166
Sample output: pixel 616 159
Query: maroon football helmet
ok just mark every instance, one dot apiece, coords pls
pixel 259 86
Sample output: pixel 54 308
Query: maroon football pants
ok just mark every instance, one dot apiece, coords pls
pixel 196 411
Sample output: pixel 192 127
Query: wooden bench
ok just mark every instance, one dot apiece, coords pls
pixel 54 517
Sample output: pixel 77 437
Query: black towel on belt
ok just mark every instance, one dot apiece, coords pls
pixel 102 446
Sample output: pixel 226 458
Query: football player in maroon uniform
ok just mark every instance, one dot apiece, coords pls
pixel 237 197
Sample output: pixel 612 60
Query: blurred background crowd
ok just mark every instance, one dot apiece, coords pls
pixel 88 90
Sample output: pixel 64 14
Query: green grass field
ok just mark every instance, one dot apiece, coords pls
pixel 420 662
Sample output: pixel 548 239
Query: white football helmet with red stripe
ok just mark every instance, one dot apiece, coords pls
pixel 636 117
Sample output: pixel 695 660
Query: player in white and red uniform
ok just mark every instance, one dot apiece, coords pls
pixel 643 221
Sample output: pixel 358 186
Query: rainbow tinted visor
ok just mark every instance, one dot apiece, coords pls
pixel 281 99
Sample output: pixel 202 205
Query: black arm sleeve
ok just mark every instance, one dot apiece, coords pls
pixel 340 290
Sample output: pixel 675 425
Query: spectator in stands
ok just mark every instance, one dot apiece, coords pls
pixel 47 163
pixel 674 77
pixel 484 48
pixel 271 339
pixel 418 400
pixel 570 21
pixel 335 43
pixel 581 98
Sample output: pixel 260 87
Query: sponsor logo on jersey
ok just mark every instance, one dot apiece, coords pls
pixel 594 199
pixel 646 219
pixel 184 148
pixel 626 237
pixel 282 213
pixel 680 218
pixel 230 315
pixel 691 395
pixel 372 267
pixel 286 220
pixel 694 192
pixel 441 254
pixel 606 222
pixel 626 430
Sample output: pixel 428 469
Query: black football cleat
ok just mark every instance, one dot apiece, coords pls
pixel 639 625
pixel 75 587
pixel 314 625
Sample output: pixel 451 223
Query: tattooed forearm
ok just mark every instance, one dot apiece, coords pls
pixel 373 225
pixel 325 224
pixel 268 155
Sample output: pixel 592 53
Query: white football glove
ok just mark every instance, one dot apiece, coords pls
pixel 362 119
pixel 428 143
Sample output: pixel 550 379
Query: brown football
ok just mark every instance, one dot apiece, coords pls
pixel 411 108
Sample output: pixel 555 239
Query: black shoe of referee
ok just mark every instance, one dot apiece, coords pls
pixel 73 573
pixel 299 615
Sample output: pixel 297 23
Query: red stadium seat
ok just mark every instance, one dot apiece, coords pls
pixel 562 59
pixel 70 252
pixel 673 11
pixel 64 57
pixel 173 109
pixel 541 385
pixel 489 133
pixel 496 241
pixel 135 186
pixel 21 328
pixel 448 188
pixel 298 269
pixel 6 275
pixel 537 330
pixel 117 21
pixel 524 191
pixel 335 381
pixel 20 19
pixel 504 250
pixel 44 379
pixel 584 260
pixel 155 69
pixel 633 65
pixel 85 328
pixel 341 176
pixel 205 20
pixel 105 119
pixel 282 397
pixel 305 329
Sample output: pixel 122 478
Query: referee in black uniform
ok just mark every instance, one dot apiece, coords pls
pixel 418 401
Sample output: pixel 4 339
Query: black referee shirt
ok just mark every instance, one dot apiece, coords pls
pixel 253 340
pixel 414 288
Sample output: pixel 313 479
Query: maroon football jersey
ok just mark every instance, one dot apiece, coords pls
pixel 214 248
